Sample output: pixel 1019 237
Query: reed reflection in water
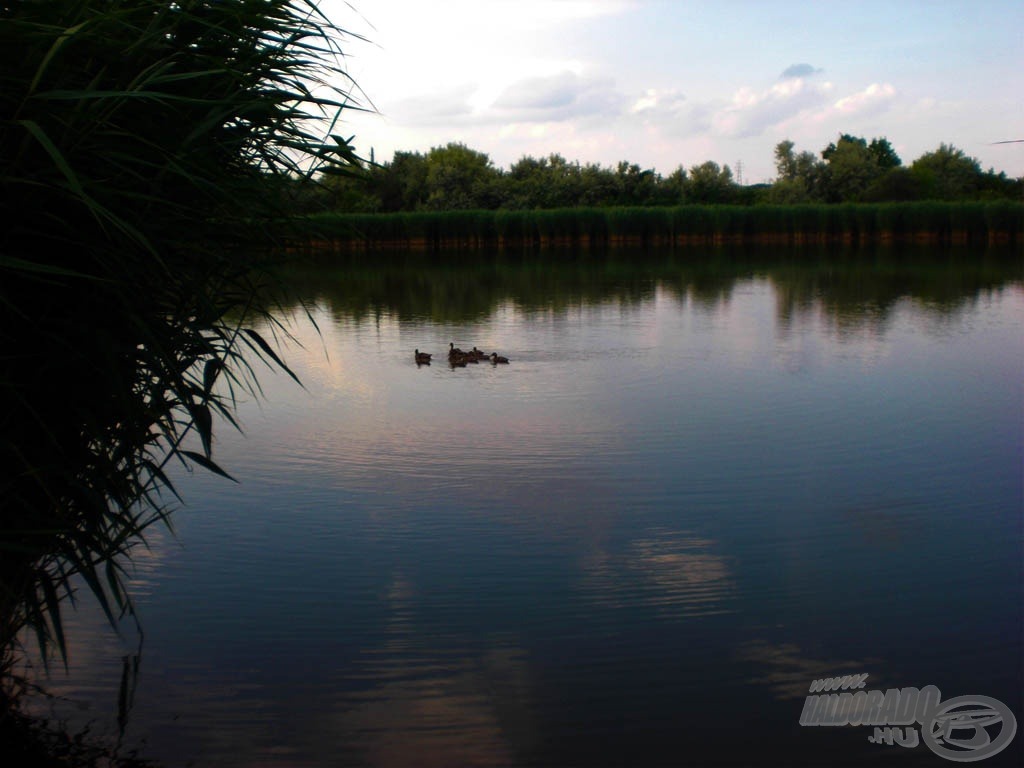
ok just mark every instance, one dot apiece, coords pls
pixel 700 484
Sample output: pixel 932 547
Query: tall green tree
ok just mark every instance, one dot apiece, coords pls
pixel 636 186
pixel 710 183
pixel 800 177
pixel 673 187
pixel 600 187
pixel 459 178
pixel 844 138
pixel 885 156
pixel 851 168
pixel 547 182
pixel 401 184
pixel 947 173
pixel 785 161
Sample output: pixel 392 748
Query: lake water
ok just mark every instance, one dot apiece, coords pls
pixel 705 480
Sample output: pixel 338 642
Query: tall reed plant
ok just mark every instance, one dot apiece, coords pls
pixel 144 149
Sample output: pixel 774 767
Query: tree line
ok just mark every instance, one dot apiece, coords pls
pixel 851 169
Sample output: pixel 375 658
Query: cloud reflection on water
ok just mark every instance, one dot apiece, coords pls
pixel 436 701
pixel 675 572
pixel 788 670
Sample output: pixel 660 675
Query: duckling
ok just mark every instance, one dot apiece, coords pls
pixel 478 354
pixel 496 358
pixel 422 358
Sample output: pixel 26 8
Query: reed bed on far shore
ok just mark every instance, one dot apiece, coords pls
pixel 997 222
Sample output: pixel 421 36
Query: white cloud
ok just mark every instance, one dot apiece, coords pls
pixel 658 101
pixel 439 107
pixel 563 96
pixel 670 113
pixel 846 112
pixel 751 113
pixel 875 98
pixel 554 98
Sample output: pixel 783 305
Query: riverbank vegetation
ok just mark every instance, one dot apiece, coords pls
pixel 856 191
pixel 143 150
pixel 996 222
pixel 848 170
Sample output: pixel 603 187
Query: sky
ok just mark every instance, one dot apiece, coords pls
pixel 669 83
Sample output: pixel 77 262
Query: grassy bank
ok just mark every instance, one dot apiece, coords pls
pixel 999 222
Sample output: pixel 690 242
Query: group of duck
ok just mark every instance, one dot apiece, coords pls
pixel 459 359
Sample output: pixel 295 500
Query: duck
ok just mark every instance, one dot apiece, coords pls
pixel 478 354
pixel 496 358
pixel 422 357
pixel 454 351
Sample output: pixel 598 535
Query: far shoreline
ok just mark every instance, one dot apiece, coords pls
pixel 997 223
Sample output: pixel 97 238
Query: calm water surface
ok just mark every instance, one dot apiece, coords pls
pixel 701 483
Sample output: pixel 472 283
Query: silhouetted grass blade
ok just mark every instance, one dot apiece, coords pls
pixel 209 464
pixel 269 351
